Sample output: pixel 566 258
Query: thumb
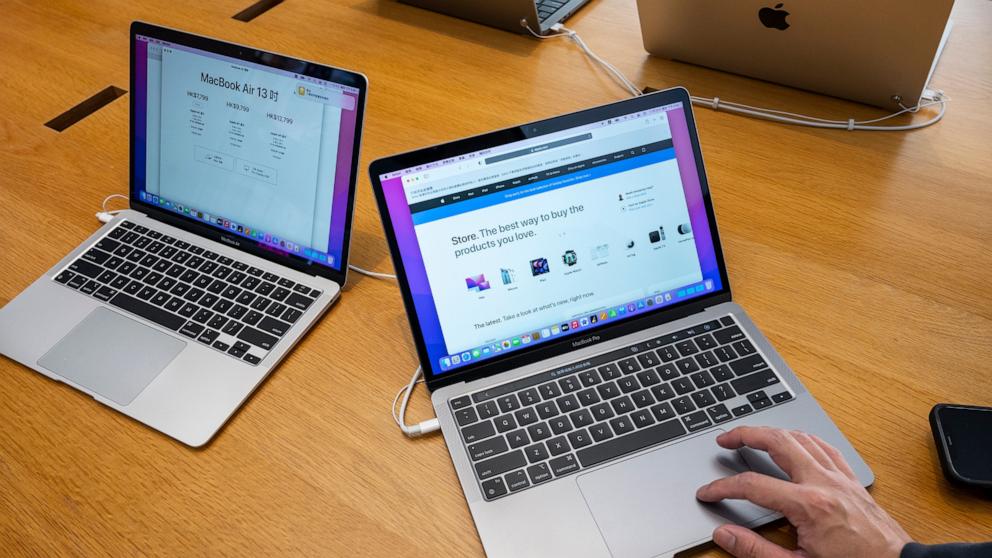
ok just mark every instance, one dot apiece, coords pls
pixel 742 542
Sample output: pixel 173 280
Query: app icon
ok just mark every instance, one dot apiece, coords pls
pixel 631 307
pixel 709 284
pixel 455 359
pixel 539 266
pixel 506 275
pixel 477 283
pixel 654 237
pixel 466 356
pixel 525 339
pixel 659 299
pixel 661 231
pixel 506 343
pixel 630 244
pixel 649 302
pixel 684 228
pixel 584 322
pixel 476 353
pixel 593 319
pixel 555 330
pixel 545 332
pixel 613 313
pixel 575 324
pixel 599 252
pixel 569 258
pixel 535 336
pixel 516 341
pixel 564 327
pixel 445 362
pixel 668 296
pixel 603 315
pixel 486 350
pixel 681 292
pixel 621 310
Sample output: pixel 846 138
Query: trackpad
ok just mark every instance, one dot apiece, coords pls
pixel 112 355
pixel 647 506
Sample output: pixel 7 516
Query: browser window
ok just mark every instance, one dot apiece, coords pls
pixel 552 236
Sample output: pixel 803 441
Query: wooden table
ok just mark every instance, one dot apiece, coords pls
pixel 865 257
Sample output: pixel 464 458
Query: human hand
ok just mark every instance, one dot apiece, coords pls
pixel 833 514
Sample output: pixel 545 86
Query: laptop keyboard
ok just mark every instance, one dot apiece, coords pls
pixel 577 416
pixel 223 303
pixel 545 8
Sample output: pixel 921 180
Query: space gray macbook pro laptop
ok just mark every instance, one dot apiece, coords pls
pixel 243 166
pixel 570 306
pixel 879 52
pixel 539 15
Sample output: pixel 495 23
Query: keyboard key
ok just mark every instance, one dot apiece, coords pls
pixel 280 294
pixel 547 409
pixel 728 335
pixel 536 453
pixel 705 342
pixel 539 473
pixel 703 399
pixel 642 418
pixel 505 423
pixel 500 464
pixel 748 364
pixel 526 416
pixel 648 378
pixel 516 480
pixel 539 431
pixel 780 397
pixel 629 365
pixel 478 431
pixel 549 390
pixel 719 413
pixel 648 360
pixel 663 392
pixel 208 336
pixel 706 360
pixel 687 347
pixel 663 412
pixel 682 386
pixel 517 438
pixel 725 354
pixel 564 465
pixel 623 445
pixel 257 338
pixel 237 311
pixel 465 416
pixel 558 446
pixel 487 448
pixel 741 410
pixel 90 287
pixel 204 315
pixel 506 403
pixel 744 347
pixel 191 329
pixel 569 384
pixel 567 403
pixel 560 424
pixel 696 421
pixel 756 381
pixel 291 315
pixel 104 293
pixel 686 366
pixel 487 410
pixel 600 432
pixel 529 397
pixel 642 398
pixel 252 317
pixel 683 405
pixel 702 379
pixel 628 384
pixel 232 327
pixel 762 403
pixel 146 293
pixel 283 282
pixel 668 372
pixel 608 390
pixel 622 425
pixel 622 405
pixel 279 328
pixel 589 378
pixel 609 372
pixel 187 310
pixel 581 418
pixel 722 373
pixel 160 298
pixel 602 411
pixel 723 392
pixel 494 488
pixel 667 353
pixel 86 269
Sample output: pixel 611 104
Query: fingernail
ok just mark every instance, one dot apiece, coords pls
pixel 724 538
pixel 701 490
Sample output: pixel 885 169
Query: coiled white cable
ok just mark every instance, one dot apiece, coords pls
pixel 412 430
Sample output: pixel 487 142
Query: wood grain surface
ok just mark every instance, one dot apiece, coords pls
pixel 865 258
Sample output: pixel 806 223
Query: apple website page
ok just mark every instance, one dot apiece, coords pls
pixel 552 236
pixel 248 148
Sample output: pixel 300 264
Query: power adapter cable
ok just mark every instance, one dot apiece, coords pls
pixel 412 430
pixel 105 216
pixel 931 97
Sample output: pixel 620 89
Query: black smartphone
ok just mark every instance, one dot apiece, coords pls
pixel 963 434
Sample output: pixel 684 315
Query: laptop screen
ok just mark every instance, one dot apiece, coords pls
pixel 511 247
pixel 262 153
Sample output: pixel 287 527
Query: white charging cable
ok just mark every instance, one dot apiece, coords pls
pixel 930 98
pixel 412 430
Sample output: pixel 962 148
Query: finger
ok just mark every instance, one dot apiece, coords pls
pixel 742 542
pixel 814 450
pixel 836 456
pixel 784 450
pixel 769 492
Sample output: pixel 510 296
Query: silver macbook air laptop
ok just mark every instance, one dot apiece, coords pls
pixel 511 15
pixel 243 166
pixel 571 309
pixel 881 53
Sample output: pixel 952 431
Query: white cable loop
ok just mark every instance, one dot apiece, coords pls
pixel 375 274
pixel 412 430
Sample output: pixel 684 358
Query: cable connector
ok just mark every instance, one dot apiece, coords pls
pixel 412 430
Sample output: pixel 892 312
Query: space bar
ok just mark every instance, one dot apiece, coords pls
pixel 622 445
pixel 148 311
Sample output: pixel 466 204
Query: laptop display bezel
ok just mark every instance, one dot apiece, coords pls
pixel 276 61
pixel 543 351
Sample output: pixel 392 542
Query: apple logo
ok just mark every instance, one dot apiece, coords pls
pixel 774 18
